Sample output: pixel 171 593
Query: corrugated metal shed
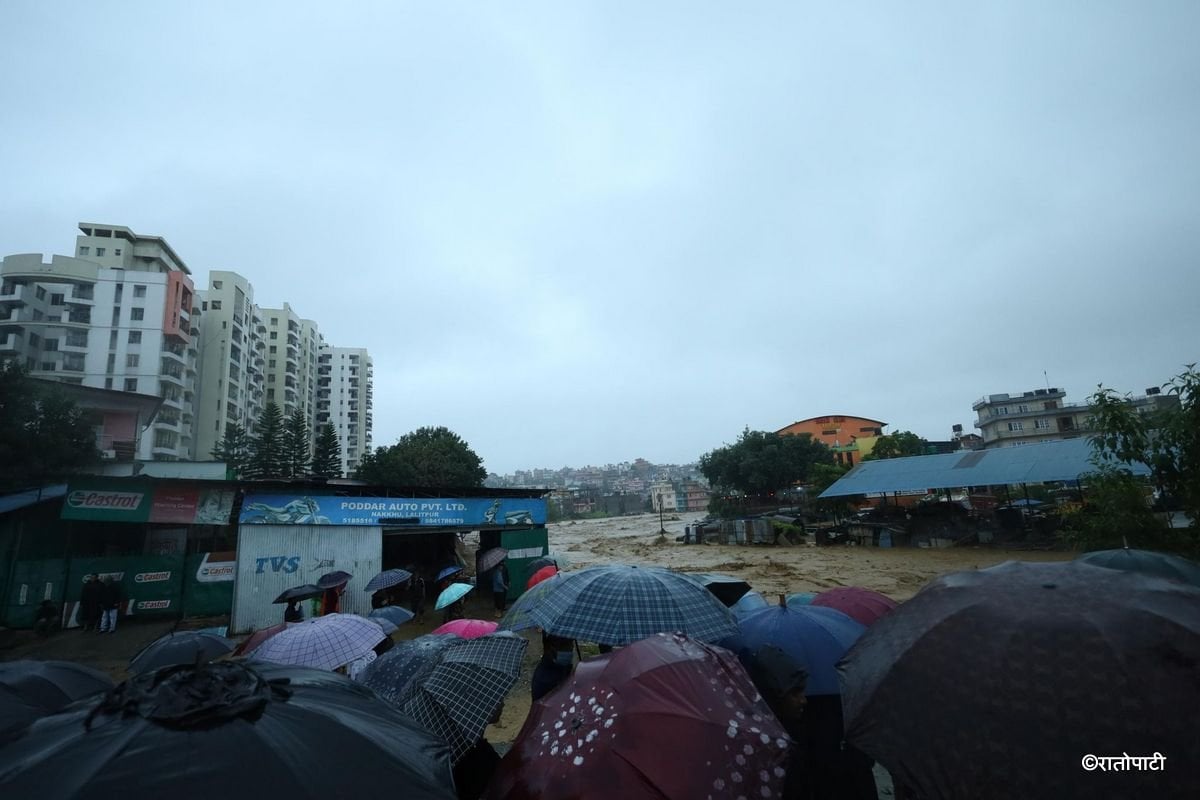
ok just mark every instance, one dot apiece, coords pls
pixel 271 558
pixel 1034 463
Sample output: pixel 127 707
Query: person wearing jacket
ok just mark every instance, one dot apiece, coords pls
pixel 110 603
pixel 558 659
pixel 89 603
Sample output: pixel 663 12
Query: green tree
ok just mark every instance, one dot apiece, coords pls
pixel 1116 513
pixel 897 445
pixel 762 463
pixel 43 435
pixel 820 478
pixel 234 450
pixel 434 457
pixel 327 457
pixel 297 452
pixel 266 446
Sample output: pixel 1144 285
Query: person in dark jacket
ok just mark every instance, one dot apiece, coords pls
pixel 416 597
pixel 473 771
pixel 558 659
pixel 500 589
pixel 110 602
pixel 89 603
pixel 293 612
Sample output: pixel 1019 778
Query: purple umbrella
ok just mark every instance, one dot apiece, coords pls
pixel 862 605
pixel 326 642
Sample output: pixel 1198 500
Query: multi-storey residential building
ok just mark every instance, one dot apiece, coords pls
pixel 233 364
pixel 1042 415
pixel 292 348
pixel 115 315
pixel 344 398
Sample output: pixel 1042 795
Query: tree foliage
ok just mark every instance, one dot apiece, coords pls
pixel 43 434
pixel 820 478
pixel 434 457
pixel 266 447
pixel 761 462
pixel 898 445
pixel 1116 513
pixel 296 449
pixel 234 450
pixel 327 456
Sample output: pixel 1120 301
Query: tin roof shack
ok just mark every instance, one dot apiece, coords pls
pixel 290 534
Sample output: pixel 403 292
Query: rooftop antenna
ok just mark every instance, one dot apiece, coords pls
pixel 1047 377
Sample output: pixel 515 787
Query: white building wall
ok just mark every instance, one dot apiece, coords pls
pixel 345 400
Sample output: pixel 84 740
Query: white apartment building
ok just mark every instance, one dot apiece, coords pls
pixel 233 349
pixel 115 315
pixel 344 398
pixel 293 345
pixel 1042 415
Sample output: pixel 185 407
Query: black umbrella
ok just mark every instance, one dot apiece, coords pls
pixel 331 579
pixel 229 730
pixel 450 685
pixel 51 684
pixel 180 647
pixel 299 593
pixel 727 588
pixel 1005 682
pixel 16 713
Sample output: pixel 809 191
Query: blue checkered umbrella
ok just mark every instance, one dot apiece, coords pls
pixel 390 618
pixel 517 618
pixel 618 604
pixel 451 686
pixel 326 642
pixel 447 572
pixel 387 579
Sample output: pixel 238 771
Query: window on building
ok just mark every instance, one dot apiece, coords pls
pixel 216 305
pixel 34 340
pixel 135 337
pixel 112 340
pixel 271 363
pixel 99 251
pixel 1003 409
pixel 116 251
pixel 216 284
pixel 132 359
pixel 108 383
pixel 56 299
pixel 274 320
pixel 40 293
pixel 139 291
pixel 273 349
pixel 84 250
pixel 51 345
pixel 137 313
pixel 1022 409
pixel 1042 424
pixel 271 378
pixel 274 334
pixel 1015 426
pixel 131 384
pixel 270 394
pixel 112 362
pixel 1050 404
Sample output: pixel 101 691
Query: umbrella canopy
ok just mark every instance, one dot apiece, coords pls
pixel 332 579
pixel 666 717
pixel 326 642
pixel 727 588
pixel 181 732
pixel 447 572
pixel 299 593
pixel 452 594
pixel 618 604
pixel 542 574
pixel 747 603
pixel 1065 661
pixel 549 560
pixel 801 598
pixel 255 640
pixel 33 689
pixel 1163 565
pixel 517 618
pixel 387 579
pixel 490 559
pixel 467 628
pixel 452 686
pixel 862 605
pixel 815 637
pixel 390 618
pixel 180 647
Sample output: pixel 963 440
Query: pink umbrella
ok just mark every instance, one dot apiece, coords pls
pixel 862 605
pixel 468 628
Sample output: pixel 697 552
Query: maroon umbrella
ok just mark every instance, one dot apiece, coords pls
pixel 665 717
pixel 862 605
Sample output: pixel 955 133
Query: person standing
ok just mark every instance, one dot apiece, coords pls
pixel 500 589
pixel 331 601
pixel 558 659
pixel 293 612
pixel 89 602
pixel 110 603
pixel 416 596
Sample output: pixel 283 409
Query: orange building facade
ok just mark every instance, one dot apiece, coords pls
pixel 850 438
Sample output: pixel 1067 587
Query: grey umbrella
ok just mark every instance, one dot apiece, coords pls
pixel 1164 565
pixel 387 579
pixel 490 559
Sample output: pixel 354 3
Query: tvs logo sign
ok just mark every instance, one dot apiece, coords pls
pixel 151 577
pixel 120 501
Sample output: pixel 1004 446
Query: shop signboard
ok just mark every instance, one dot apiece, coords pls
pixel 208 584
pixel 143 501
pixel 282 509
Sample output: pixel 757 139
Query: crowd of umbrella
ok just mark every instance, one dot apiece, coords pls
pixel 992 683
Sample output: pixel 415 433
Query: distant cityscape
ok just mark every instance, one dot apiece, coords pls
pixel 625 488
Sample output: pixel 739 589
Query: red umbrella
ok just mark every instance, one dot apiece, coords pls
pixel 541 575
pixel 862 605
pixel 255 639
pixel 467 628
pixel 665 717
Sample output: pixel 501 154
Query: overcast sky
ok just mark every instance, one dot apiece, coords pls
pixel 583 233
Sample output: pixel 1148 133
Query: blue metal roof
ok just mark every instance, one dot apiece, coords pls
pixel 1066 460
pixel 11 502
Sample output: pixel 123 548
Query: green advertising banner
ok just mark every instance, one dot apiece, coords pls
pixel 150 585
pixel 208 584
pixel 32 582
pixel 110 500
pixel 523 546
